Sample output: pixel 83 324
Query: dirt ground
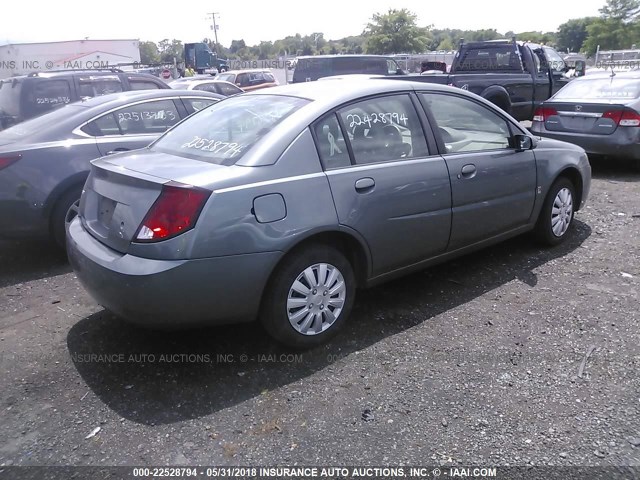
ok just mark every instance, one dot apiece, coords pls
pixel 515 355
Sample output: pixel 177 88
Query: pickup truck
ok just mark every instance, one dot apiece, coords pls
pixel 515 76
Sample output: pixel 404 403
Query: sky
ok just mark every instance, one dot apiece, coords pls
pixel 26 21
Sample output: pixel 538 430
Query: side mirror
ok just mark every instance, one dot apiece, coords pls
pixel 523 142
pixel 581 67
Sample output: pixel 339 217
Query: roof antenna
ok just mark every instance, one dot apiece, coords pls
pixel 613 72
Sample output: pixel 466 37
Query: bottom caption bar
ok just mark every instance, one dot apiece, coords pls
pixel 342 473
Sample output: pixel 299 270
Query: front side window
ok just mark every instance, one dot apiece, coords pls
pixel 467 126
pixel 384 129
pixel 225 131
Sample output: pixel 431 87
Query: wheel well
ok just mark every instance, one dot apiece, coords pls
pixel 574 177
pixel 500 101
pixel 351 248
pixel 59 195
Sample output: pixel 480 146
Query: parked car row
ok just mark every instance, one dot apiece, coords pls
pixel 277 204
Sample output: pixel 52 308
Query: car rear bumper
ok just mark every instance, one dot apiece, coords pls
pixel 170 294
pixel 623 143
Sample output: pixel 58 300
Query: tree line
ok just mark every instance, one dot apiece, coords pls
pixel 397 31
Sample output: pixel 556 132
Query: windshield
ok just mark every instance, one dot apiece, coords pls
pixel 39 124
pixel 601 88
pixel 224 132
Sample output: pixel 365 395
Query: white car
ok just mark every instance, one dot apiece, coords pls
pixel 220 87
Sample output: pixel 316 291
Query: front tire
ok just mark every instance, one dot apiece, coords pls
pixel 556 216
pixel 309 297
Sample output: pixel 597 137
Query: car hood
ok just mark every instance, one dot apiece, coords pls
pixel 550 143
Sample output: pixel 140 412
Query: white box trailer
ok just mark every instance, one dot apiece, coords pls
pixel 24 58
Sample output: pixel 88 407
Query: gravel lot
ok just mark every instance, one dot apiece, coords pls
pixel 479 361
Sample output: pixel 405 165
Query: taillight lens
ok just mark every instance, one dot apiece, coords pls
pixel 6 160
pixel 542 113
pixel 175 211
pixel 623 118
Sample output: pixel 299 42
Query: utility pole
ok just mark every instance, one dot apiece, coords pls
pixel 214 27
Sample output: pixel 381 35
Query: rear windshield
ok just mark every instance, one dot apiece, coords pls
pixel 316 68
pixel 493 57
pixel 225 131
pixel 227 77
pixel 609 88
pixel 39 124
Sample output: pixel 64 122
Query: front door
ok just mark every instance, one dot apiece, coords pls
pixel 384 182
pixel 493 185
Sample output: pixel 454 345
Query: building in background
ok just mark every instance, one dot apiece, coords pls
pixel 23 58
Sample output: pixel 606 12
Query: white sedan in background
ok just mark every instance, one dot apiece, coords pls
pixel 220 87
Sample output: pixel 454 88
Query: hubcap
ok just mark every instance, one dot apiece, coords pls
pixel 561 212
pixel 316 299
pixel 72 212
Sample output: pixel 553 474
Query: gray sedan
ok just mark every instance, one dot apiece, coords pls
pixel 601 113
pixel 44 162
pixel 278 204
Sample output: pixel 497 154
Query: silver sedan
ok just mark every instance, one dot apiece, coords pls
pixel 276 205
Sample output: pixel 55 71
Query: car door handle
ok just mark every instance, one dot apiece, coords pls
pixel 468 171
pixel 117 150
pixel 365 185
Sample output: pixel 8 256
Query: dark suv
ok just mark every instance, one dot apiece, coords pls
pixel 312 68
pixel 28 96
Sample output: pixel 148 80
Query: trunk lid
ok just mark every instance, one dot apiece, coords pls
pixel 121 190
pixel 588 118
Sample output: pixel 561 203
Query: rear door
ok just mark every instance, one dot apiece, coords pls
pixel 493 186
pixel 386 184
pixel 133 126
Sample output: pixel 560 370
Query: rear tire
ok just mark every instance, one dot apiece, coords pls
pixel 309 297
pixel 556 217
pixel 65 210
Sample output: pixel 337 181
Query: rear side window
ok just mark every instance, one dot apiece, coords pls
pixel 46 94
pixel 467 126
pixel 308 69
pixel 197 104
pixel 94 86
pixel 332 147
pixel 225 131
pixel 384 129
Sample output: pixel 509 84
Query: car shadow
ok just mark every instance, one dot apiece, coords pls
pixel 159 378
pixel 614 169
pixel 23 261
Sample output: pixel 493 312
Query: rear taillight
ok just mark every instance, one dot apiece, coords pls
pixel 623 118
pixel 542 113
pixel 6 160
pixel 175 211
